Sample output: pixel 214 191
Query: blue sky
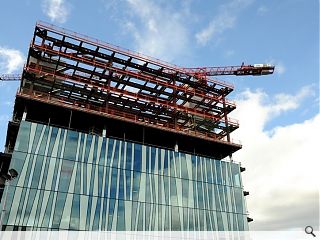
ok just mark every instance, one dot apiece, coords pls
pixel 273 110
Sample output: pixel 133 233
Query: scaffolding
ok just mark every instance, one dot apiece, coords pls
pixel 81 73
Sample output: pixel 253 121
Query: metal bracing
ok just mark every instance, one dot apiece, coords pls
pixel 82 73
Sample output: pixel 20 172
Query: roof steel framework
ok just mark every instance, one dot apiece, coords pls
pixel 85 73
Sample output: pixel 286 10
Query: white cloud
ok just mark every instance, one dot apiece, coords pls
pixel 225 19
pixel 229 53
pixel 157 29
pixel 11 60
pixel 279 66
pixel 262 10
pixel 281 164
pixel 56 10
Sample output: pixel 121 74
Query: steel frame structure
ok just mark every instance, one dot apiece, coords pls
pixel 83 73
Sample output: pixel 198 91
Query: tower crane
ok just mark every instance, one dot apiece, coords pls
pixel 254 70
pixel 10 77
pixel 199 72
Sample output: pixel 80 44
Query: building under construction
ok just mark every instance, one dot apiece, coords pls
pixel 104 138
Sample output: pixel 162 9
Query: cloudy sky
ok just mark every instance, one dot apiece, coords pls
pixel 278 114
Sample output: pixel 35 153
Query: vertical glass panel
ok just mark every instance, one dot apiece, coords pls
pixel 136 185
pixel 113 185
pixel 110 213
pixel 18 159
pixel 49 208
pixel 198 166
pixel 153 159
pixel 235 222
pixel 195 194
pixel 128 184
pixel 115 153
pixel 141 217
pixel 153 187
pixel 106 180
pixel 185 192
pixel 166 164
pixel 37 171
pixel 104 202
pixel 148 163
pixel 87 147
pixel 121 216
pixel 191 221
pixel 102 160
pixel 213 169
pixel 100 170
pixel 137 157
pixel 56 169
pixel 110 150
pixel 121 185
pixel 148 190
pixel 223 170
pixel 178 164
pixel 222 197
pixel 129 156
pixel 29 169
pixel 200 195
pixel 95 150
pixel 160 217
pixel 37 135
pixel 238 195
pixel 8 204
pixel 185 219
pixel 54 135
pixel 65 175
pixel 71 145
pixel 217 198
pixel 23 137
pixel 173 192
pixel 44 141
pixel 201 219
pixel 96 220
pixel 207 216
pixel 61 142
pixel 228 173
pixel 218 172
pixel 148 215
pixel 167 221
pixel 241 222
pixel 166 189
pixel 153 217
pixel 134 215
pixel 220 222
pixel 210 196
pixel 208 170
pixel 194 169
pixel 60 204
pixel 196 219
pixel 175 219
pixel 173 172
pixel 205 195
pixel 184 170
pixel 236 175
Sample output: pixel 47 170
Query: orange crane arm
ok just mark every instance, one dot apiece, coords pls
pixel 255 70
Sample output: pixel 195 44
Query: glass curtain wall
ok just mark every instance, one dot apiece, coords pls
pixel 76 181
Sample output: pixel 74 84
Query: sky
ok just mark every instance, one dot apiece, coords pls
pixel 278 114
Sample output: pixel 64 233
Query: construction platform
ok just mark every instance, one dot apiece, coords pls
pixel 77 82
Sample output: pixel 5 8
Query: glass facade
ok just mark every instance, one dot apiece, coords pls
pixel 71 180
